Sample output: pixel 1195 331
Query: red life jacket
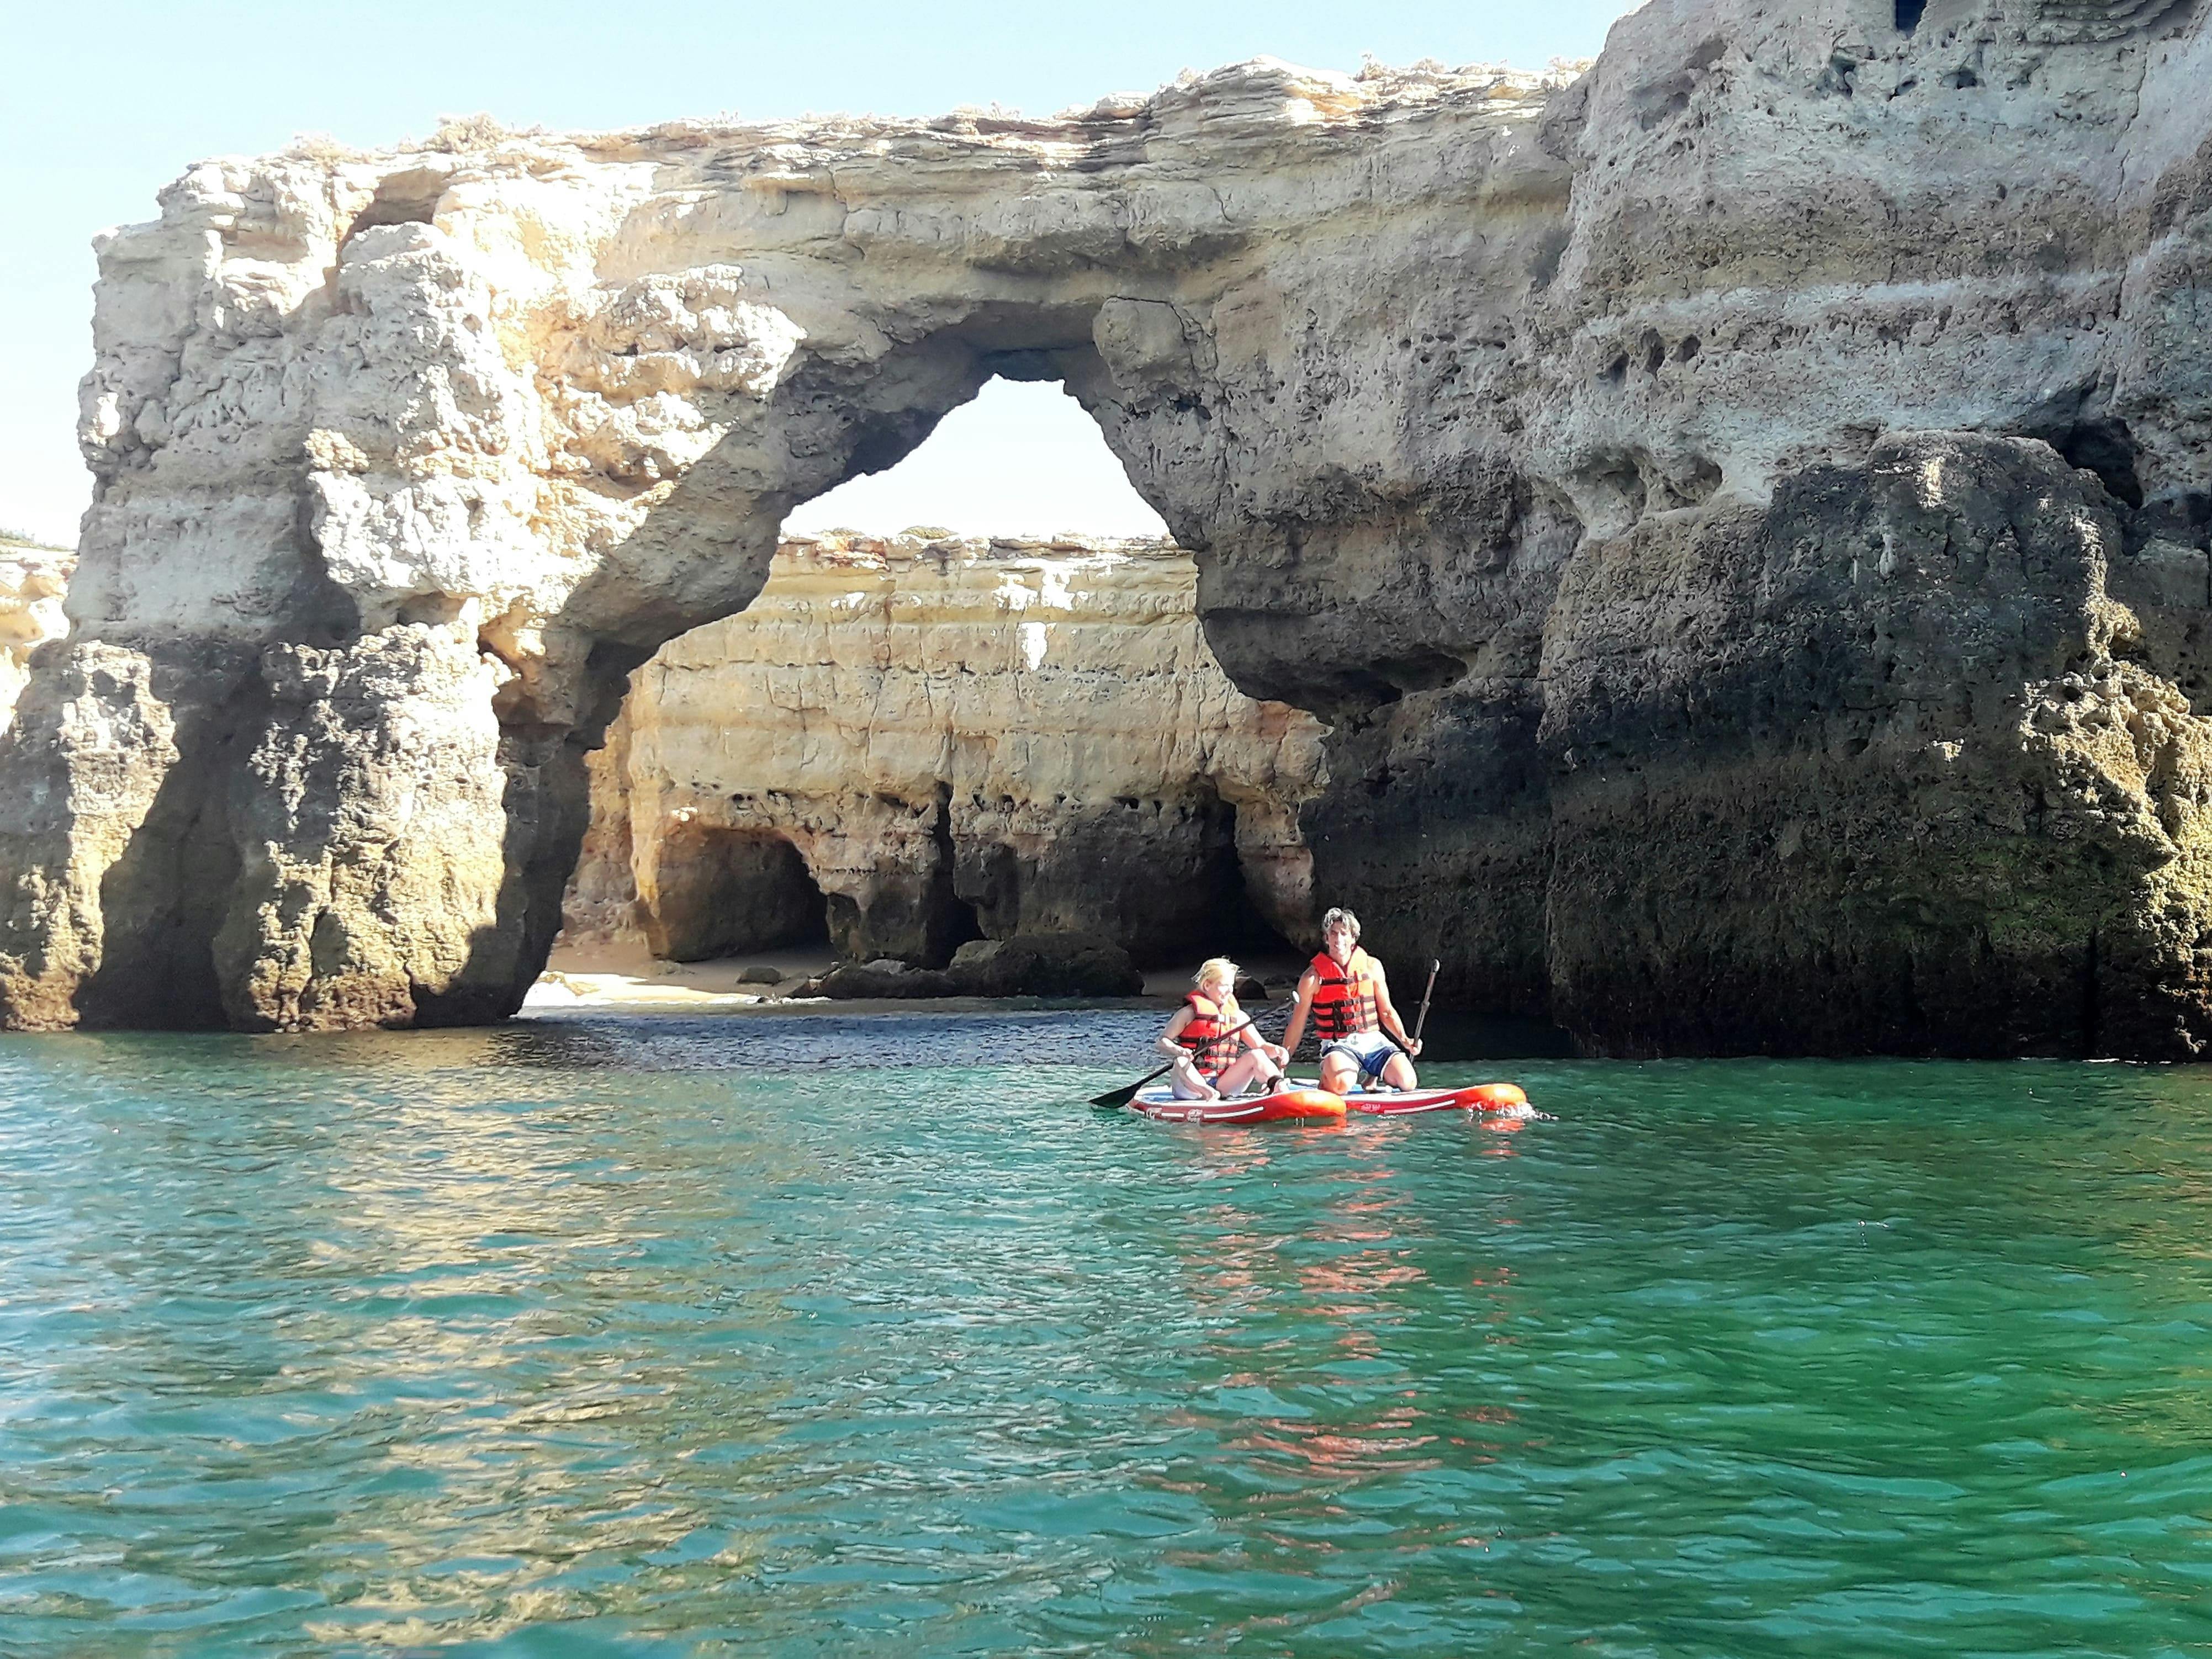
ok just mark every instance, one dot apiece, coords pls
pixel 1211 1033
pixel 1344 998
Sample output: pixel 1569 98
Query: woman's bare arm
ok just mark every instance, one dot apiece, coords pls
pixel 1167 1043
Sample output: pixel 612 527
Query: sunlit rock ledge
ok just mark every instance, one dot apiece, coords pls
pixel 907 742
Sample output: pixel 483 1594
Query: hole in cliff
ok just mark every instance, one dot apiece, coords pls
pixel 404 198
pixel 1223 914
pixel 434 610
pixel 2107 449
pixel 1909 13
pixel 1246 932
pixel 959 925
pixel 1021 458
pixel 1422 669
pixel 724 892
pixel 952 919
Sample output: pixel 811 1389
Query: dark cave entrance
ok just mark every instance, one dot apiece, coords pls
pixel 1161 877
pixel 1244 930
pixel 2106 448
pixel 1909 13
pixel 728 893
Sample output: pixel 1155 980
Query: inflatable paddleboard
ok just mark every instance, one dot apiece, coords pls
pixel 1305 1101
pixel 1499 1097
pixel 1159 1101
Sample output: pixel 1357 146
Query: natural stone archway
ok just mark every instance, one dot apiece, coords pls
pixel 964 737
pixel 1651 477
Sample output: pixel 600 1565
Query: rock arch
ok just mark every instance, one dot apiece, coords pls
pixel 1593 453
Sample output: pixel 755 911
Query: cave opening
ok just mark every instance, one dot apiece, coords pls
pixel 1240 923
pixel 1021 458
pixel 732 892
pixel 1909 13
pixel 2106 448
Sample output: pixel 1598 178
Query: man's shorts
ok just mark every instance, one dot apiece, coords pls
pixel 1369 1050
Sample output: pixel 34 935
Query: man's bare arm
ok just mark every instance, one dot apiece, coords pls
pixel 1393 1027
pixel 1297 1028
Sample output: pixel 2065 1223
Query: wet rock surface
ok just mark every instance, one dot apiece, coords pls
pixel 1742 513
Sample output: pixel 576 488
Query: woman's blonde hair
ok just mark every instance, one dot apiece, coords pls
pixel 1217 968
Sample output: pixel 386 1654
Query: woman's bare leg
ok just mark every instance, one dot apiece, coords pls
pixel 1188 1085
pixel 1241 1070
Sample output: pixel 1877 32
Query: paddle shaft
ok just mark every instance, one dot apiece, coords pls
pixel 1123 1096
pixel 1422 1019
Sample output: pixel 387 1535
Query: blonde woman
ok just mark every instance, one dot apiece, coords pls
pixel 1213 1058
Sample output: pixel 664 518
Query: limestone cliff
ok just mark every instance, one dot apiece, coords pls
pixel 948 738
pixel 1743 512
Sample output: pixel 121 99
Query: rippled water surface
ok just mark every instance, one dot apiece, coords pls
pixel 851 1335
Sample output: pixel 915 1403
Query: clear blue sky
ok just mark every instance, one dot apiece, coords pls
pixel 104 103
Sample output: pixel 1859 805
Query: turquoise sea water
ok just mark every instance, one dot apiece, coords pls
pixel 862 1335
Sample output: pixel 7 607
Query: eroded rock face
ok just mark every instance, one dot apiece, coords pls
pixel 911 742
pixel 1669 485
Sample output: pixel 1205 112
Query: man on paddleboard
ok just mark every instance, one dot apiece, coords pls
pixel 1345 993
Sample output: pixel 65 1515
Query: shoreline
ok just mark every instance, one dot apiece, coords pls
pixel 622 976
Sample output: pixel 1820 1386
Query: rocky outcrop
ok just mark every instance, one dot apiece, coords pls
pixel 32 581
pixel 913 741
pixel 886 978
pixel 1026 965
pixel 1045 965
pixel 1742 513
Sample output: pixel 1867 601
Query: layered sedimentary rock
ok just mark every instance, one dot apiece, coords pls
pixel 1743 512
pixel 915 741
pixel 32 582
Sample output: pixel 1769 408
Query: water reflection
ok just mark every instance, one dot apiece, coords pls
pixel 1328 1418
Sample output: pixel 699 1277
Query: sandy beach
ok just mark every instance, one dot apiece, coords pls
pixel 624 977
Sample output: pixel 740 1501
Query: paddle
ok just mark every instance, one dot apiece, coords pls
pixel 1422 1019
pixel 1118 1098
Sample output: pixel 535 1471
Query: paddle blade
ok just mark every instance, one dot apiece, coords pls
pixel 1114 1098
